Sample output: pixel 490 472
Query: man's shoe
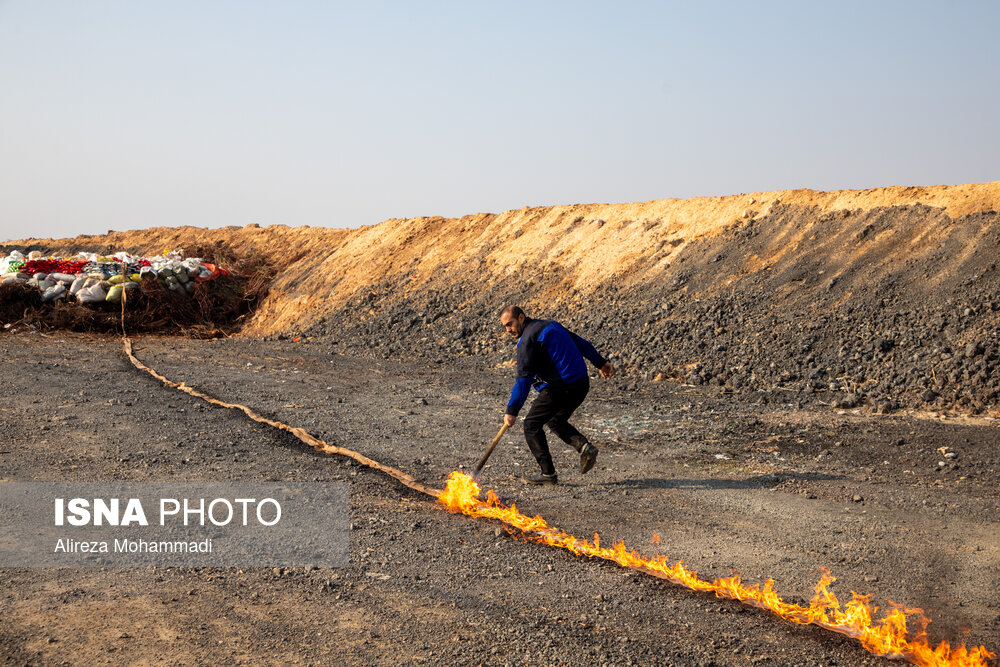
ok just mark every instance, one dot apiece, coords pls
pixel 541 478
pixel 588 457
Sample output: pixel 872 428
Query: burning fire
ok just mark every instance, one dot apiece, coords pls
pixel 886 636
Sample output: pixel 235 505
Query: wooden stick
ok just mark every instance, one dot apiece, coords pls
pixel 482 461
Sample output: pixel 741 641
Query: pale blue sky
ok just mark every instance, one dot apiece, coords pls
pixel 125 115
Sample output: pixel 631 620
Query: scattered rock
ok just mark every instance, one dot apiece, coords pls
pixel 885 406
pixel 974 350
pixel 847 402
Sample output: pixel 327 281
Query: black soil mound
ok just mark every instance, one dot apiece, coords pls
pixel 849 309
pixel 18 302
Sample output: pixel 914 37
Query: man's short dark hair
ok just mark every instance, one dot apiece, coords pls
pixel 512 310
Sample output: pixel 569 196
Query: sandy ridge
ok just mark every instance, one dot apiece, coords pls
pixel 586 244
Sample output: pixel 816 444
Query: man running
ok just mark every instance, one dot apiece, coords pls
pixel 551 358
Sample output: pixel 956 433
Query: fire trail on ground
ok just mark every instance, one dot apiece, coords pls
pixel 886 636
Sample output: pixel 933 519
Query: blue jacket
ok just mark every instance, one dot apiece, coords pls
pixel 548 354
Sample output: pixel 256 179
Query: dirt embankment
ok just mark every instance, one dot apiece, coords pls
pixel 889 297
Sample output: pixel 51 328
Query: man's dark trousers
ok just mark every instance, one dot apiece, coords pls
pixel 554 406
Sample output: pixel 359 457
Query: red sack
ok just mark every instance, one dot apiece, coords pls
pixel 216 273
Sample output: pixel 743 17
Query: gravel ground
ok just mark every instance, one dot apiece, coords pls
pixel 760 484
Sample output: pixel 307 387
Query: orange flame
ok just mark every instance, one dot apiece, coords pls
pixel 886 636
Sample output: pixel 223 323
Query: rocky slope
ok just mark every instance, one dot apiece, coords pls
pixel 887 297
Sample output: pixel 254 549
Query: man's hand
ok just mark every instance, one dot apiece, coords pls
pixel 509 420
pixel 607 370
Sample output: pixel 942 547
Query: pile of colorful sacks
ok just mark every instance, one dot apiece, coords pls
pixel 89 278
